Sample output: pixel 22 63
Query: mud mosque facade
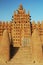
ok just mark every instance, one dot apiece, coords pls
pixel 21 27
pixel 22 33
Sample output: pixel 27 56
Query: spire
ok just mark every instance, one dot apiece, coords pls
pixel 21 7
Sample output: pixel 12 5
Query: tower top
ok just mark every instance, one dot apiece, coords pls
pixel 20 7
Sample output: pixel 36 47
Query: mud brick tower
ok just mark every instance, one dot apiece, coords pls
pixel 21 30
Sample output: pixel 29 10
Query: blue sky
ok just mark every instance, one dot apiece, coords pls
pixel 7 8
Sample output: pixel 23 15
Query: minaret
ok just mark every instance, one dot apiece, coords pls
pixel 36 47
pixel 21 27
pixel 5 47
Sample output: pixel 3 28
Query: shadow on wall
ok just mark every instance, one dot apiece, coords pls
pixel 13 51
